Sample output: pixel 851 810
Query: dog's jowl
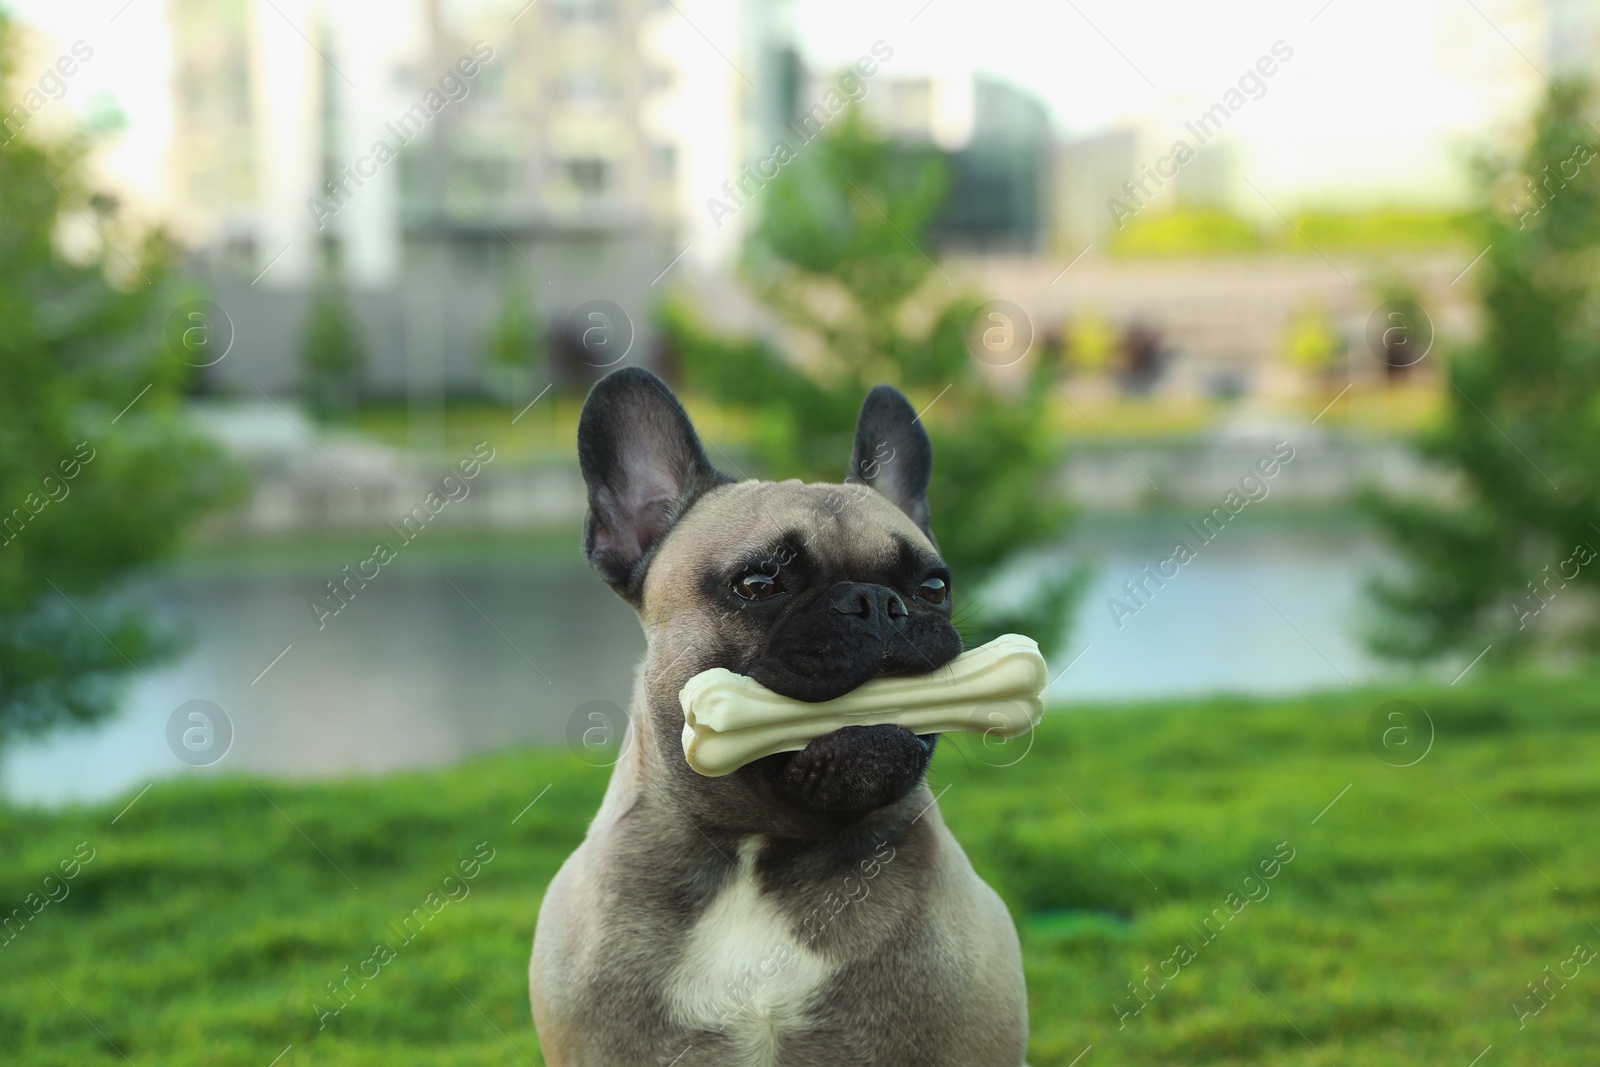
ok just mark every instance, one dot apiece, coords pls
pixel 809 908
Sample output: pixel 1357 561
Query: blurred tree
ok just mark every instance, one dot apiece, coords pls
pixel 515 343
pixel 1092 343
pixel 99 473
pixel 332 353
pixel 1312 343
pixel 838 255
pixel 1520 528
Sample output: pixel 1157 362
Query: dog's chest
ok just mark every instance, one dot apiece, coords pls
pixel 742 973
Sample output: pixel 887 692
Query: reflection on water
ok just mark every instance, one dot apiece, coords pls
pixel 427 664
pixel 441 658
pixel 1255 611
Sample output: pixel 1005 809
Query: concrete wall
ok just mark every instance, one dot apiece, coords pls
pixel 425 333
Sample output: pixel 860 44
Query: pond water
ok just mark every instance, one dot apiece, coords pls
pixel 441 657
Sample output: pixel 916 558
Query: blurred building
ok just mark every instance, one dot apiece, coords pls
pixel 1574 37
pixel 997 142
pixel 1087 171
pixel 432 155
pixel 213 160
pixel 1000 180
pixel 583 154
pixel 1091 174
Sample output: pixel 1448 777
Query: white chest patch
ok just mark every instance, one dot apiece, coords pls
pixel 742 973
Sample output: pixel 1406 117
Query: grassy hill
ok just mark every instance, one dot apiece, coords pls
pixel 1406 911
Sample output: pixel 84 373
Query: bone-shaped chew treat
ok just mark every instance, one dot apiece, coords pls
pixel 731 719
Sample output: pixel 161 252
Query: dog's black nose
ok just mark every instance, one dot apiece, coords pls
pixel 876 605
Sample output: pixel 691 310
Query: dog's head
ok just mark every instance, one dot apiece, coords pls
pixel 809 589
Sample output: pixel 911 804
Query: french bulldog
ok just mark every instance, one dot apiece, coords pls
pixel 809 909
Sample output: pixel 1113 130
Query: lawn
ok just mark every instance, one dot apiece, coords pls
pixel 1306 902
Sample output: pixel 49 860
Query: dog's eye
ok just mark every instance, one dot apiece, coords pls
pixel 934 591
pixel 757 586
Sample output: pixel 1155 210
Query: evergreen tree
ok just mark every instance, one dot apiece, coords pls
pixel 1518 527
pixel 332 353
pixel 515 343
pixel 99 472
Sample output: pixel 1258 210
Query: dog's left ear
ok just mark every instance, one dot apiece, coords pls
pixel 892 453
pixel 644 466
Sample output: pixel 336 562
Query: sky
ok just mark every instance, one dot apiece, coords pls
pixel 1378 101
pixel 129 68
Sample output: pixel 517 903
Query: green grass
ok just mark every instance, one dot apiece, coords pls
pixel 1211 233
pixel 208 923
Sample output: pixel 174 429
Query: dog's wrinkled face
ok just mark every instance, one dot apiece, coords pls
pixel 809 589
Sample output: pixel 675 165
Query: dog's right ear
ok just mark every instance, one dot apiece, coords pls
pixel 892 453
pixel 644 466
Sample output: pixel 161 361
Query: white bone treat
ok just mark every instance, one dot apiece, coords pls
pixel 731 719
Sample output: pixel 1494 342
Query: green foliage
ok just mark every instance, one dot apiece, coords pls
pixel 206 928
pixel 1376 230
pixel 515 343
pixel 99 473
pixel 332 353
pixel 1188 232
pixel 1311 341
pixel 838 256
pixel 516 338
pixel 1522 424
pixel 1180 233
